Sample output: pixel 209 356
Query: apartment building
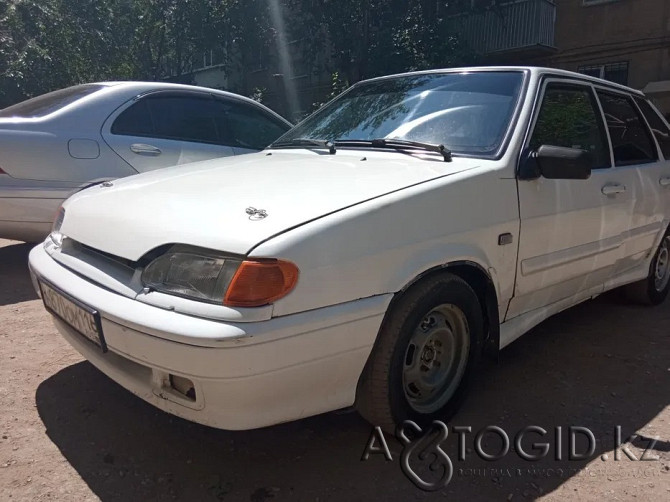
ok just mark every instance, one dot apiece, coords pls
pixel 625 41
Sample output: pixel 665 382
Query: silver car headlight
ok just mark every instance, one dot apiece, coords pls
pixel 192 273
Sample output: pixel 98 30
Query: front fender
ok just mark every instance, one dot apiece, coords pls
pixel 433 257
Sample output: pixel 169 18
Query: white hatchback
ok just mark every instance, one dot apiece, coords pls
pixel 61 142
pixel 372 254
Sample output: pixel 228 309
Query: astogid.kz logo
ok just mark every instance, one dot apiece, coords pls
pixel 425 462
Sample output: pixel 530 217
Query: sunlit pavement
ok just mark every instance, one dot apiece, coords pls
pixel 69 433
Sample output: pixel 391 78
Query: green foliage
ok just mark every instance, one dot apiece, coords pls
pixel 258 94
pixel 337 87
pixel 51 44
pixel 369 38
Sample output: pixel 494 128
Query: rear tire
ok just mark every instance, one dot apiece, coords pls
pixel 424 356
pixel 655 287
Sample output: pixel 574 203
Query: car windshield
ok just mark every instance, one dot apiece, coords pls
pixel 468 113
pixel 49 103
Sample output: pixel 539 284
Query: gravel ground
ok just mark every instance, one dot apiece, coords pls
pixel 69 433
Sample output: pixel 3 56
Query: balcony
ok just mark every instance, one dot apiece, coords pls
pixel 519 27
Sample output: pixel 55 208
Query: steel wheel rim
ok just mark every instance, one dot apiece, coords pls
pixel 662 266
pixel 436 358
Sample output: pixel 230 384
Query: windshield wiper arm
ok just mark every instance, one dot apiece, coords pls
pixel 398 144
pixel 323 143
pixel 402 144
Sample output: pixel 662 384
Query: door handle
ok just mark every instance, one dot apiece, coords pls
pixel 613 189
pixel 144 149
pixel 664 182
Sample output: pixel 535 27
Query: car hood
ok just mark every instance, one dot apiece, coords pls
pixel 205 204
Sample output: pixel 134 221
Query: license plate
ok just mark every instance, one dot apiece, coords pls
pixel 84 319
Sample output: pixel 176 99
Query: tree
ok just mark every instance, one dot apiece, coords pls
pixel 368 38
pixel 50 44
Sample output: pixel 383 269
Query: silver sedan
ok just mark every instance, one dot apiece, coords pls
pixel 59 143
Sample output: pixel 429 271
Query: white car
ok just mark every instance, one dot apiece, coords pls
pixel 58 143
pixel 372 254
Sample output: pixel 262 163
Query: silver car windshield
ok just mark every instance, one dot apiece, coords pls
pixel 468 113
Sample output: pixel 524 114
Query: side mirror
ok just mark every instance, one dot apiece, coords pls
pixel 561 163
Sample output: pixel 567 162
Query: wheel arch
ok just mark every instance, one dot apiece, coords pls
pixel 483 285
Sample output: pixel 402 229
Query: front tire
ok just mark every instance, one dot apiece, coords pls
pixel 424 356
pixel 654 289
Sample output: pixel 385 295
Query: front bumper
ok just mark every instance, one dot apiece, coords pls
pixel 245 375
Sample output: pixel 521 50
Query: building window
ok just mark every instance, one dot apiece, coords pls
pixel 210 58
pixel 261 59
pixel 596 2
pixel 614 72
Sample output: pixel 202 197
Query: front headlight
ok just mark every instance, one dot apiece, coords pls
pixel 55 235
pixel 208 276
pixel 191 273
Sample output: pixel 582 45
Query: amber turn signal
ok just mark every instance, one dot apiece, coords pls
pixel 260 282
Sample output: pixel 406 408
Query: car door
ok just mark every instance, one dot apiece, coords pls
pixel 166 128
pixel 570 229
pixel 657 175
pixel 246 127
pixel 640 168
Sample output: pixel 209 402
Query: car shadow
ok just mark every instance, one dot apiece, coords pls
pixel 14 276
pixel 599 365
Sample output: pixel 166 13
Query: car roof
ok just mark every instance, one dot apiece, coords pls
pixel 534 70
pixel 140 87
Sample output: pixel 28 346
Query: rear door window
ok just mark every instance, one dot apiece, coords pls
pixel 658 127
pixel 181 117
pixel 49 103
pixel 184 118
pixel 631 140
pixel 134 121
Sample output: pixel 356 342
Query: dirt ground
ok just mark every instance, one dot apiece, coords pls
pixel 67 432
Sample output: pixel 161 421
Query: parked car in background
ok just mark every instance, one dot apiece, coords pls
pixel 372 254
pixel 56 144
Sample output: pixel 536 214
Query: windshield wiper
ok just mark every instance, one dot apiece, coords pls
pixel 398 144
pixel 323 143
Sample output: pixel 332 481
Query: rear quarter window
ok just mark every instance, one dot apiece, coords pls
pixel 49 103
pixel 658 126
